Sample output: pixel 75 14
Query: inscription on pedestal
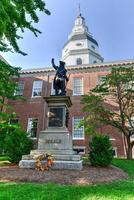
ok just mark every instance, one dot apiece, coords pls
pixel 53 141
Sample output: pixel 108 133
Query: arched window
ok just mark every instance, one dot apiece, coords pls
pixel 79 61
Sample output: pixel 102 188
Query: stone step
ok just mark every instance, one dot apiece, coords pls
pixel 58 164
pixel 55 157
pixel 53 152
pixel 67 157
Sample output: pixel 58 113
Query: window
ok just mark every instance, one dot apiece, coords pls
pixel 114 152
pixel 14 121
pixel 37 89
pixel 132 121
pixel 78 44
pixel 79 149
pixel 19 89
pixel 94 61
pixel 32 127
pixel 79 61
pixel 129 85
pixel 78 133
pixel 78 86
pixel 132 125
pixel 101 80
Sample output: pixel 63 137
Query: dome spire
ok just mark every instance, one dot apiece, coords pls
pixel 79 10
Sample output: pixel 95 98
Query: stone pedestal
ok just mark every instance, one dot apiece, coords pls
pixel 56 139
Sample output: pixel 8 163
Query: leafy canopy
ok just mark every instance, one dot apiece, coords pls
pixel 15 16
pixel 18 15
pixel 7 84
pixel 112 102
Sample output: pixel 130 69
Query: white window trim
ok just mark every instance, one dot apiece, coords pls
pixel 74 138
pixel 132 121
pixel 112 139
pixel 82 87
pixel 98 79
pixel 23 88
pixel 116 155
pixel 130 83
pixel 28 129
pixel 52 88
pixel 33 89
pixel 132 138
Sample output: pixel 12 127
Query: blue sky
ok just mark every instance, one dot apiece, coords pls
pixel 110 21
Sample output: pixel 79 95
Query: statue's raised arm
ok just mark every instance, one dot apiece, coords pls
pixel 53 64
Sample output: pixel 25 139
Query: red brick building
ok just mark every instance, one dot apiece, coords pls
pixel 85 70
pixel 34 84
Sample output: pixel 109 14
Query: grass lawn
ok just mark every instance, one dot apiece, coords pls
pixel 120 190
pixel 4 160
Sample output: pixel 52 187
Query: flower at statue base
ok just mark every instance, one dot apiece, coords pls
pixel 38 164
pixel 48 164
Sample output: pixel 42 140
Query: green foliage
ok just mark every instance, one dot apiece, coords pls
pixel 126 165
pixel 13 141
pixel 7 84
pixel 7 88
pixel 17 16
pixel 4 158
pixel 112 103
pixel 4 161
pixel 100 151
pixel 17 144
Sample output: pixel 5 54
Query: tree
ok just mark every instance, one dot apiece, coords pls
pixel 7 84
pixel 16 15
pixel 13 141
pixel 112 103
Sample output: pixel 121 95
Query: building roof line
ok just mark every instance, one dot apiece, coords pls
pixel 77 67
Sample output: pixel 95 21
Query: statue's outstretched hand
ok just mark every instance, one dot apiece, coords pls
pixel 52 60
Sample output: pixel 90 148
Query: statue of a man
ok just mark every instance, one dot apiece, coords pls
pixel 60 78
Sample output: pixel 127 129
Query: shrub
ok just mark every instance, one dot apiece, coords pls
pixel 13 141
pixel 100 151
pixel 17 144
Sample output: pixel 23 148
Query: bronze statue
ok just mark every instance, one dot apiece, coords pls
pixel 60 78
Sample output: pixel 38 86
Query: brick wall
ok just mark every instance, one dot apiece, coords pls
pixel 34 107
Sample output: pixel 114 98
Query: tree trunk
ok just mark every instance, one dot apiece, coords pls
pixel 2 104
pixel 129 149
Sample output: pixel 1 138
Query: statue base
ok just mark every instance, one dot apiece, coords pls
pixel 55 140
